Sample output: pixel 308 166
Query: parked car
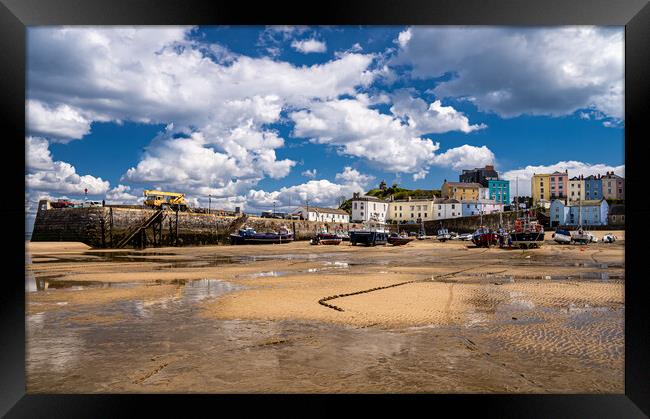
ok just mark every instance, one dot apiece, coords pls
pixel 465 236
pixel 88 204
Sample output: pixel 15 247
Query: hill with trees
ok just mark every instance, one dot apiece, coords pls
pixel 384 192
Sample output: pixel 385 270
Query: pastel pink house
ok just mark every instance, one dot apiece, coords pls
pixel 559 185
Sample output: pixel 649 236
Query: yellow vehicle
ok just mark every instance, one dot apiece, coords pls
pixel 165 200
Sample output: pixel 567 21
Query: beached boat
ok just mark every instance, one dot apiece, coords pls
pixel 609 238
pixel 326 239
pixel 343 236
pixel 250 236
pixel 562 236
pixel 443 235
pixel 465 237
pixel 399 240
pixel 484 237
pixel 372 234
pixel 528 232
pixel 582 237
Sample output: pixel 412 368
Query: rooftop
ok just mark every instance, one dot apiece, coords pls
pixel 325 210
pixel 367 198
pixel 465 185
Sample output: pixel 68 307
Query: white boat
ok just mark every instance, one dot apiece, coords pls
pixel 562 236
pixel 443 235
pixel 609 238
pixel 580 236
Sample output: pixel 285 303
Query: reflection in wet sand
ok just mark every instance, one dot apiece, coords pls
pixel 224 319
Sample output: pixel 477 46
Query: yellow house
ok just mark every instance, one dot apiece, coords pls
pixel 540 185
pixel 461 191
pixel 411 210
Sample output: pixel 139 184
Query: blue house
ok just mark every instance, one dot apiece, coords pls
pixel 593 187
pixel 594 212
pixel 499 191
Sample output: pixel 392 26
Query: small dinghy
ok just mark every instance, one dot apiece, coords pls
pixel 609 238
pixel 326 239
pixel 399 240
pixel 562 236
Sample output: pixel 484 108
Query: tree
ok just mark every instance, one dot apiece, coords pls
pixel 382 185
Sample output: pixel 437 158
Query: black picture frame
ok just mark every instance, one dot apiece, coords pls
pixel 16 15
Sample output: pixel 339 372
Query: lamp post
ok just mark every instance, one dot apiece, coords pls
pixel 307 209
pixel 209 202
pixel 274 207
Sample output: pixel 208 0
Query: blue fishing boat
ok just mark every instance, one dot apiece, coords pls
pixel 250 236
pixel 371 235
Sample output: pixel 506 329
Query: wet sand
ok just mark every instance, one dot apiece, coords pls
pixel 425 317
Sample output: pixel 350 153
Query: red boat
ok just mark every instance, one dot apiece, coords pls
pixel 484 237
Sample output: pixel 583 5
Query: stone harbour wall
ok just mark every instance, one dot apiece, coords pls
pixel 106 226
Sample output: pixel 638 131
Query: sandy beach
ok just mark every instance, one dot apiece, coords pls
pixel 425 317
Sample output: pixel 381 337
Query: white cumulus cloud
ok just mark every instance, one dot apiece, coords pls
pixel 514 71
pixel 307 46
pixel 56 177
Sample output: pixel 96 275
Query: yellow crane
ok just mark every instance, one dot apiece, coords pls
pixel 165 200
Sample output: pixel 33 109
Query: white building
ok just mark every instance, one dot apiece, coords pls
pixel 446 208
pixel 482 206
pixel 365 208
pixel 312 213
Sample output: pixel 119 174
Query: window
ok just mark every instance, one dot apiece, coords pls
pixel 467 205
pixel 425 215
pixel 439 206
pixel 362 205
pixel 362 213
pixel 412 207
pixel 419 215
pixel 573 193
pixel 374 207
pixel 453 206
pixel 438 214
pixel 355 205
pixel 620 191
pixel 578 186
pixel 412 215
pixel 552 179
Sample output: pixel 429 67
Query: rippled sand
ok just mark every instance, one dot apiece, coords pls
pixel 426 317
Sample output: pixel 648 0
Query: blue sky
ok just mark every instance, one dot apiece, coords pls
pixel 263 115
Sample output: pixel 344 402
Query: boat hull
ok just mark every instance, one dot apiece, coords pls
pixel 368 238
pixel 326 239
pixel 400 241
pixel 486 240
pixel 562 239
pixel 278 239
pixel 527 239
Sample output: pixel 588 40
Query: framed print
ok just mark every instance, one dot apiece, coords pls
pixel 440 199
